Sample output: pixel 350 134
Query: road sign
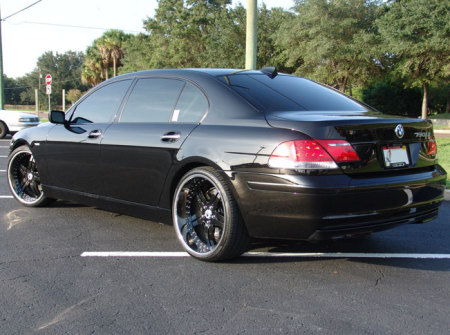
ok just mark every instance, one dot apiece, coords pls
pixel 49 89
pixel 48 79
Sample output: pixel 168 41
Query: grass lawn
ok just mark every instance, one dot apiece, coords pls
pixel 440 116
pixel 443 144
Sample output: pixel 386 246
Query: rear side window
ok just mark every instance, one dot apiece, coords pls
pixel 191 106
pixel 288 93
pixel 152 100
pixel 101 105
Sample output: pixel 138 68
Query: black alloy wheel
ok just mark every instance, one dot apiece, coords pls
pixel 3 129
pixel 206 217
pixel 23 178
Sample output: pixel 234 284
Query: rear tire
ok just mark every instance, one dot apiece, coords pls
pixel 24 179
pixel 206 217
pixel 3 129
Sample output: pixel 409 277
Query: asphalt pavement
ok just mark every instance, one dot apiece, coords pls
pixel 393 282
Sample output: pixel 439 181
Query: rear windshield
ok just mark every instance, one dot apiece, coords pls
pixel 288 93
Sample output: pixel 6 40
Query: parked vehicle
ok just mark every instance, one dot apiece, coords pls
pixel 230 154
pixel 13 121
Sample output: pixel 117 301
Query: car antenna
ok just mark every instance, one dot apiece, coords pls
pixel 270 71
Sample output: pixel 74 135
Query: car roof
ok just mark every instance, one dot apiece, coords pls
pixel 214 72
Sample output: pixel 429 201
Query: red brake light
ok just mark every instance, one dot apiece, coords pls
pixel 432 147
pixel 312 154
pixel 340 150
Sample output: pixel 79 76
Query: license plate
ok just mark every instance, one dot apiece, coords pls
pixel 396 156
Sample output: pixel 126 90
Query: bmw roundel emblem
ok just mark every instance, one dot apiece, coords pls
pixel 399 131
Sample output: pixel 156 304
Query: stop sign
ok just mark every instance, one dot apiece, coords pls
pixel 48 79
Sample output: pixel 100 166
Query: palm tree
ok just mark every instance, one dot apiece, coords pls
pixel 114 41
pixel 92 68
pixel 103 47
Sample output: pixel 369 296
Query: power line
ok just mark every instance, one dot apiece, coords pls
pixel 4 19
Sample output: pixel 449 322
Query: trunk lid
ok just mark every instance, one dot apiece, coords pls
pixel 384 144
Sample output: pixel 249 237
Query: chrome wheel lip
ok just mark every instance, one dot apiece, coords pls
pixel 12 180
pixel 176 222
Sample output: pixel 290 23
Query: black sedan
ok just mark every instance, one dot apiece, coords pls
pixel 226 155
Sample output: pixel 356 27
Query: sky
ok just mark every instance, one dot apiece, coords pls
pixel 28 34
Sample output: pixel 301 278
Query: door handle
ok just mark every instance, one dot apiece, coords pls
pixel 95 133
pixel 171 136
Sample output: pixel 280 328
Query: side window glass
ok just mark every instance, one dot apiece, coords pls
pixel 152 100
pixel 191 106
pixel 101 105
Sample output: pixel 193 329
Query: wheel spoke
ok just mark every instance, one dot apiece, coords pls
pixel 217 222
pixel 23 170
pixel 216 200
pixel 201 196
pixel 35 189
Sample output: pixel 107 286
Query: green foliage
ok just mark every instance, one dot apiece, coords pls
pixel 416 33
pixel 73 95
pixel 390 97
pixel 194 33
pixel 203 34
pixel 106 52
pixel 443 145
pixel 66 73
pixel 13 90
pixel 333 42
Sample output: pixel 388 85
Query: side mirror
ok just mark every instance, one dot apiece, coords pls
pixel 57 117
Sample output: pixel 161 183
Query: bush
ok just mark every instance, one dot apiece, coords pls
pixel 73 95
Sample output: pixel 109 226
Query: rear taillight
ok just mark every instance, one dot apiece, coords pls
pixel 312 154
pixel 432 147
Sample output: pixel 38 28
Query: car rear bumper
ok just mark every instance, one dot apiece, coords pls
pixel 318 207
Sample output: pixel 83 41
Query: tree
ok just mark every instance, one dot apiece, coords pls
pixel 66 72
pixel 416 34
pixel 92 68
pixel 13 89
pixel 332 41
pixel 73 95
pixel 192 33
pixel 105 51
pixel 269 51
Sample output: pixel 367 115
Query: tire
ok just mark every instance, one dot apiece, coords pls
pixel 206 216
pixel 23 178
pixel 3 130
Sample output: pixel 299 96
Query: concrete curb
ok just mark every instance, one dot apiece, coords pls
pixel 442 131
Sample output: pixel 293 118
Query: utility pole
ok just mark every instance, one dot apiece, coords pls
pixel 2 84
pixel 251 35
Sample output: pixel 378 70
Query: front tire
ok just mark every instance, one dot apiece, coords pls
pixel 206 216
pixel 24 179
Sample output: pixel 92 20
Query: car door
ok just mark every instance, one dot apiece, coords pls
pixel 139 149
pixel 73 150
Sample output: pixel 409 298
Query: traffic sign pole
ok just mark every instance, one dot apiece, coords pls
pixel 48 81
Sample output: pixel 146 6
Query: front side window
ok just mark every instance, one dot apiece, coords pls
pixel 152 100
pixel 101 105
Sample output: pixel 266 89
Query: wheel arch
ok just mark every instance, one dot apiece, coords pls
pixel 180 170
pixel 19 142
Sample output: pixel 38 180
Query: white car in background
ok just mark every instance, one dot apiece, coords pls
pixel 13 121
